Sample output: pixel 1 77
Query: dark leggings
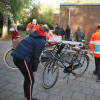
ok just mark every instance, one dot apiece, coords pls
pixel 97 67
pixel 26 69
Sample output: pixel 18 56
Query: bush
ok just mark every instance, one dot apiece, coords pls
pixel 21 27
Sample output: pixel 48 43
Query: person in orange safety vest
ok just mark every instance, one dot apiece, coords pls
pixel 34 23
pixel 51 33
pixel 95 50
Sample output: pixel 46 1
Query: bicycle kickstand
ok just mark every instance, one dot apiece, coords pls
pixel 66 76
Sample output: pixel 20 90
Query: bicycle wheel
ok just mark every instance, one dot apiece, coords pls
pixel 50 74
pixel 46 56
pixel 8 60
pixel 80 64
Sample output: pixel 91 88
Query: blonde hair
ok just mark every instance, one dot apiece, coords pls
pixel 14 26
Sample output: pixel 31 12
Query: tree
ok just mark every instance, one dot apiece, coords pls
pixel 14 7
pixel 44 14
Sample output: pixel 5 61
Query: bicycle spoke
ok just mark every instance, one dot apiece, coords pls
pixel 81 67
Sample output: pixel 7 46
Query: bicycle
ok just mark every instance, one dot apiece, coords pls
pixel 45 55
pixel 8 59
pixel 78 65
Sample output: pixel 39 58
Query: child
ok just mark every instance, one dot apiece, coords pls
pixel 14 32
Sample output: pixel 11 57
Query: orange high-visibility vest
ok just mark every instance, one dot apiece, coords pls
pixel 95 44
pixel 50 32
pixel 35 26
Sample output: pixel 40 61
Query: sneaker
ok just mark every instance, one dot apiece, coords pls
pixel 98 80
pixel 34 99
pixel 94 72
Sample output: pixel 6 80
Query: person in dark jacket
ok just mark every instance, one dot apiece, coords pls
pixel 62 32
pixel 67 33
pixel 26 57
pixel 57 30
pixel 79 35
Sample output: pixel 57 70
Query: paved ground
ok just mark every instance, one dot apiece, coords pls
pixel 82 88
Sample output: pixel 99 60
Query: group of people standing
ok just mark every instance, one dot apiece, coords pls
pixel 61 32
pixel 79 35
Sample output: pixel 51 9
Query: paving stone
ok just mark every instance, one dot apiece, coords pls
pixel 18 89
pixel 13 80
pixel 91 80
pixel 67 99
pixel 64 86
pixel 5 78
pixel 89 97
pixel 84 84
pixel 35 92
pixel 76 88
pixel 54 90
pixel 88 91
pixel 9 86
pixel 97 93
pixel 16 97
pixel 2 84
pixel 95 86
pixel 6 94
pixel 40 87
pixel 81 79
pixel 98 83
pixel 1 90
pixel 74 82
pixel 2 71
pixel 42 95
pixel 20 82
pixel 54 97
pixel 78 96
pixel 66 93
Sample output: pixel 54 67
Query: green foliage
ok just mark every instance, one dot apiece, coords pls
pixel 14 6
pixel 0 30
pixel 1 18
pixel 82 1
pixel 44 14
pixel 21 27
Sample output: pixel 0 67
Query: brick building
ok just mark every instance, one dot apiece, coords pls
pixel 87 16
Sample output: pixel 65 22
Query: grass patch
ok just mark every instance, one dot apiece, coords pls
pixel 20 32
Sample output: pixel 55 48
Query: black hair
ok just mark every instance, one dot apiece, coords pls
pixel 98 26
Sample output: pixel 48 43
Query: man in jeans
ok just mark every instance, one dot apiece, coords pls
pixel 95 50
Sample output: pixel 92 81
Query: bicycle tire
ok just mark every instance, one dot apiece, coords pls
pixel 52 68
pixel 8 60
pixel 48 56
pixel 78 69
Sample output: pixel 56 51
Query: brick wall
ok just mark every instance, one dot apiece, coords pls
pixel 86 16
pixel 56 18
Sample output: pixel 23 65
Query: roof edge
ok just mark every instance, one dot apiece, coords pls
pixel 79 4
